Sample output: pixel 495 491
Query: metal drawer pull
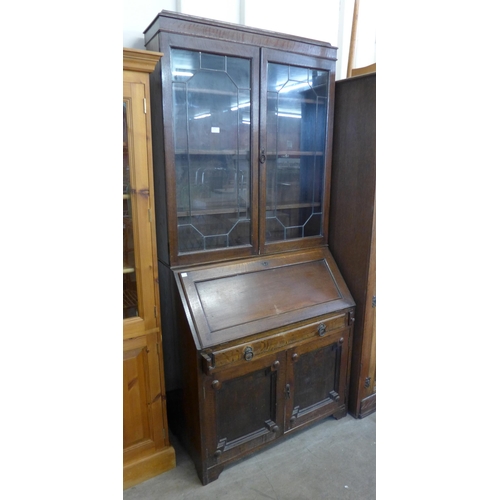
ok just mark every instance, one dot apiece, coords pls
pixel 321 329
pixel 248 354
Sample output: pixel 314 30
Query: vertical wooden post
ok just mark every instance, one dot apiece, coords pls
pixel 352 46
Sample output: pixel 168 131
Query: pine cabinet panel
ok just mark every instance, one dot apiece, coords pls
pixel 142 396
pixel 146 448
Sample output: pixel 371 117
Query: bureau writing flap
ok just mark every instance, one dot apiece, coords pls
pixel 233 300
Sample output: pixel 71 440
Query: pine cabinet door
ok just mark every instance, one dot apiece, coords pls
pixel 143 430
pixel 139 267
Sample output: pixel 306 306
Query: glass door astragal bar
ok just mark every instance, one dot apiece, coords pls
pixel 211 101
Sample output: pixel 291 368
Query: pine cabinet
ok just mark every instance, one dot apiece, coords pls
pixel 260 318
pixel 146 448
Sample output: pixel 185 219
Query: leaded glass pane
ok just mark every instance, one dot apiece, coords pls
pixel 295 136
pixel 212 149
pixel 130 300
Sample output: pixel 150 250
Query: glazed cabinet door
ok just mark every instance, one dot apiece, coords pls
pixel 316 379
pixel 211 184
pixel 139 271
pixel 143 426
pixel 295 149
pixel 244 407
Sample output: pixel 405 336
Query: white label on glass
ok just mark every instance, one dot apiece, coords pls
pixel 183 275
pixel 215 130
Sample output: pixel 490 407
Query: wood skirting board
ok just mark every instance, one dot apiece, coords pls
pixel 148 467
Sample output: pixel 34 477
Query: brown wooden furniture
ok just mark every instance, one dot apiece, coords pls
pixel 371 68
pixel 259 317
pixel 146 448
pixel 352 224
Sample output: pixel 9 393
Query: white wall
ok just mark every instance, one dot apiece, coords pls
pixel 326 20
pixel 365 53
pixel 137 15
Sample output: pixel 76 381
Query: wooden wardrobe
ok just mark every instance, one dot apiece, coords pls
pixel 352 224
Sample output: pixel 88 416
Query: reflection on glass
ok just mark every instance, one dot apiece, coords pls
pixel 296 125
pixel 212 149
pixel 130 308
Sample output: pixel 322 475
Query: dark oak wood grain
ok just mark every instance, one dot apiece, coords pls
pixel 259 323
pixel 251 389
pixel 352 221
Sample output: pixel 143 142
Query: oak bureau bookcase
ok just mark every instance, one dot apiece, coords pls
pixel 257 317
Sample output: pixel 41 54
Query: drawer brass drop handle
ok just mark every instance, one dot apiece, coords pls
pixel 248 353
pixel 321 329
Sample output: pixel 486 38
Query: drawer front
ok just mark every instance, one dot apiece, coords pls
pixel 213 360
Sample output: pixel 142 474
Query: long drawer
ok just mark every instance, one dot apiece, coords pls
pixel 254 348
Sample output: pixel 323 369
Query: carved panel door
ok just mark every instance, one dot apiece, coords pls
pixel 316 379
pixel 244 407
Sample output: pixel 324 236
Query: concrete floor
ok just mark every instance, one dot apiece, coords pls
pixel 330 460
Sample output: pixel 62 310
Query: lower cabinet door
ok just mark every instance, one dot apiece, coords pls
pixel 243 406
pixel 316 379
pixel 143 425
